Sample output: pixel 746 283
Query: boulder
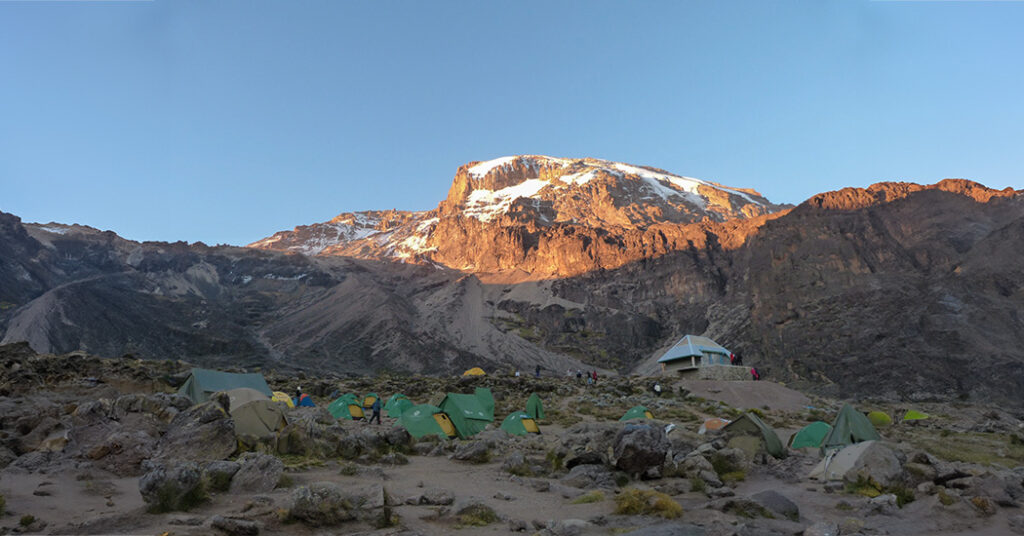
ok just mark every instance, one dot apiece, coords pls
pixel 171 486
pixel 326 503
pixel 6 456
pixel 235 526
pixel 584 458
pixel 122 452
pixel 476 452
pixel 638 448
pixel 204 432
pixel 436 497
pixel 777 504
pixel 1016 523
pixel 218 474
pixel 993 487
pixel 257 473
pixel 589 477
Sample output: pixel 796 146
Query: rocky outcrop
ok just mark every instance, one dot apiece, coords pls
pixel 172 486
pixel 640 448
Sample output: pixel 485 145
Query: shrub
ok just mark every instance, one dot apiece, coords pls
pixel 285 481
pixel 590 497
pixel 349 469
pixel 945 498
pixel 723 465
pixel 26 520
pixel 733 476
pixel 477 515
pixel 645 502
pixel 697 484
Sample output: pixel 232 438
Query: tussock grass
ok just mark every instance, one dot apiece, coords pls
pixel 589 497
pixel 634 501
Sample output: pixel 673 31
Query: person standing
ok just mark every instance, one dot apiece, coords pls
pixel 536 371
pixel 594 375
pixel 376 410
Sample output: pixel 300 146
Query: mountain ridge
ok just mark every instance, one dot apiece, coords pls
pixel 920 281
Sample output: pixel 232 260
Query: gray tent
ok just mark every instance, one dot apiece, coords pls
pixel 202 383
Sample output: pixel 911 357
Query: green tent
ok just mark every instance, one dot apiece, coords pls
pixel 520 423
pixel 258 418
pixel 340 407
pixel 391 401
pixel 419 421
pixel 810 436
pixel 850 426
pixel 535 407
pixel 202 383
pixel 637 412
pixel 749 425
pixel 399 406
pixel 486 400
pixel 914 415
pixel 466 412
pixel 368 400
pixel 879 418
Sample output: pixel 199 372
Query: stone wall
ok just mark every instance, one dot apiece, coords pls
pixel 723 372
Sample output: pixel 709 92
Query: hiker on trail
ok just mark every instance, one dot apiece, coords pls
pixel 376 410
pixel 756 375
pixel 579 376
pixel 536 371
pixel 298 396
pixel 594 374
pixel 739 360
pixel 732 359
pixel 656 389
pixel 590 379
pixel 517 373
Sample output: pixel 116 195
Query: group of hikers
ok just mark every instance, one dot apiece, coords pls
pixel 588 377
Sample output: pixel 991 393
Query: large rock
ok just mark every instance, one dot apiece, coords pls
pixel 218 474
pixel 122 452
pixel 475 451
pixel 640 447
pixel 589 476
pixel 777 504
pixel 235 526
pixel 326 503
pixel 258 473
pixel 204 432
pixel 171 486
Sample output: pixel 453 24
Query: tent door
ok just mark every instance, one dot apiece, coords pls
pixel 446 424
pixel 530 425
pixel 355 411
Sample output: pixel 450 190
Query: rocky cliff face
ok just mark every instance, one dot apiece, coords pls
pixel 536 217
pixel 899 290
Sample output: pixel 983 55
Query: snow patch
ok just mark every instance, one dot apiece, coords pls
pixel 484 205
pixel 578 179
pixel 54 230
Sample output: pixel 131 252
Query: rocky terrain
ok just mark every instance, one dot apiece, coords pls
pixel 898 291
pixel 103 446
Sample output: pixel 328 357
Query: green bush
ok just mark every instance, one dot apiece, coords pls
pixel 590 497
pixel 697 484
pixel 26 520
pixel 634 501
pixel 477 515
pixel 349 469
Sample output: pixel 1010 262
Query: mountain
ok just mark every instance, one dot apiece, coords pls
pixel 897 291
pixel 536 217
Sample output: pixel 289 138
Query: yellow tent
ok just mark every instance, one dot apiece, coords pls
pixel 281 397
pixel 475 371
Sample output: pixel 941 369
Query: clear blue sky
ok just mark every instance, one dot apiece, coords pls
pixel 227 121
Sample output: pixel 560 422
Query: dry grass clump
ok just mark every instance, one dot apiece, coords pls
pixel 589 497
pixel 634 501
